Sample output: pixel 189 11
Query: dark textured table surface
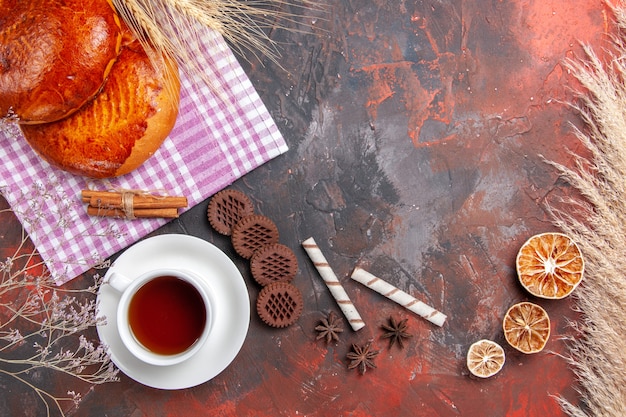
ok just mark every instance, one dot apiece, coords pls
pixel 417 132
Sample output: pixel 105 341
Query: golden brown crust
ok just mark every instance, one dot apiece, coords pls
pixel 53 58
pixel 121 128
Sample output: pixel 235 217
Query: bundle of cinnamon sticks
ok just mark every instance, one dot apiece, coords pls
pixel 131 204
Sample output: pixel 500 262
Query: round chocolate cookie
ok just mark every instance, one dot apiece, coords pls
pixel 252 233
pixel 279 304
pixel 273 263
pixel 227 208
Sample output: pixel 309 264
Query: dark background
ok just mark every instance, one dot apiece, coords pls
pixel 417 132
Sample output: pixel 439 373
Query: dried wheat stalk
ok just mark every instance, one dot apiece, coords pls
pixel 598 224
pixel 175 28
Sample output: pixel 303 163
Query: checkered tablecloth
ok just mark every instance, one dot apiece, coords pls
pixel 222 132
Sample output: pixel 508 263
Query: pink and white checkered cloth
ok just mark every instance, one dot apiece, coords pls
pixel 217 139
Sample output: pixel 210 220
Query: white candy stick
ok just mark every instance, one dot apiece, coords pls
pixel 333 284
pixel 398 296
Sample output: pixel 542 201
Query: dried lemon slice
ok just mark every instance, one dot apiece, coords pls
pixel 485 358
pixel 550 265
pixel 526 327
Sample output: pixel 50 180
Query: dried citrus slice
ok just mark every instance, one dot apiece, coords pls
pixel 485 358
pixel 526 327
pixel 550 265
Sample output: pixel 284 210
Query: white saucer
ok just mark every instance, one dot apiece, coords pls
pixel 231 313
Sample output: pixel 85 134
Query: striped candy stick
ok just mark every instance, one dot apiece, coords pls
pixel 333 284
pixel 398 296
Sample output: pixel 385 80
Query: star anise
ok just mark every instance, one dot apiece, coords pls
pixel 396 332
pixel 329 328
pixel 362 357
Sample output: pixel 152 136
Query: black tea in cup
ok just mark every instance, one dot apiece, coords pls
pixel 167 315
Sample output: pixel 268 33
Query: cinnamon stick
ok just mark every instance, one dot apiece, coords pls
pixel 131 204
pixel 87 194
pixel 168 213
pixel 115 200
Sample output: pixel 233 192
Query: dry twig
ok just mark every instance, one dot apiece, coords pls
pixel 42 326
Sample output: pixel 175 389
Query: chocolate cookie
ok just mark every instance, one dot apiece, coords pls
pixel 273 263
pixel 227 208
pixel 279 304
pixel 253 232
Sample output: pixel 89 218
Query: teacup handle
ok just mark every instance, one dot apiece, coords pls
pixel 118 281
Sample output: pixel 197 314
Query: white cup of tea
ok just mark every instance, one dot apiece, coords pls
pixel 164 316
